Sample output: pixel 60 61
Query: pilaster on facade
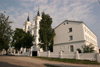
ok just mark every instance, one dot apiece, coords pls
pixel 27 26
pixel 37 20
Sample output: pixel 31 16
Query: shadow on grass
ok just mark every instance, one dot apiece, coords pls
pixel 4 64
pixel 50 65
pixel 59 65
pixel 71 61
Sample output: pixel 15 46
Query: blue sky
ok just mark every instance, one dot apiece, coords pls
pixel 87 11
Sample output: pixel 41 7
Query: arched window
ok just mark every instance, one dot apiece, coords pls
pixel 35 22
pixel 25 27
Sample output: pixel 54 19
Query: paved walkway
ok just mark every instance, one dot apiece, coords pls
pixel 36 62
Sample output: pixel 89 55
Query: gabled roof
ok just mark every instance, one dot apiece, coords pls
pixel 68 21
pixel 75 22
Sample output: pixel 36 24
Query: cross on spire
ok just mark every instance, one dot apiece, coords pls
pixel 38 14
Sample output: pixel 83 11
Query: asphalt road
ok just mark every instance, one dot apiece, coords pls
pixel 5 61
pixel 13 61
pixel 4 64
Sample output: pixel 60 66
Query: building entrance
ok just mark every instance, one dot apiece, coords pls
pixel 34 53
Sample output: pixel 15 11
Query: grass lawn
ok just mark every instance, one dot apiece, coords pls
pixel 71 60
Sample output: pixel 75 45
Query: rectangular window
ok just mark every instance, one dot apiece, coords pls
pixel 28 28
pixel 71 37
pixel 71 48
pixel 25 27
pixel 35 22
pixel 70 29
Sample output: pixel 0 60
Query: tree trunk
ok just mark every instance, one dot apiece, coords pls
pixel 46 47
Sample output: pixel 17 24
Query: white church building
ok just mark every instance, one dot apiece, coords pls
pixel 70 35
pixel 34 27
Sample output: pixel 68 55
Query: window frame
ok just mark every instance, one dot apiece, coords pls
pixel 71 37
pixel 70 29
pixel 71 48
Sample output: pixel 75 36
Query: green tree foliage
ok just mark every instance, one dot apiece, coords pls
pixel 79 50
pixel 51 47
pixel 46 32
pixel 88 48
pixel 27 40
pixel 17 39
pixel 5 31
pixel 21 39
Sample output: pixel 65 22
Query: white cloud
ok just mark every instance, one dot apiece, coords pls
pixel 59 10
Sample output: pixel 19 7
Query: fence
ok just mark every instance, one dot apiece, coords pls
pixel 89 56
pixel 74 55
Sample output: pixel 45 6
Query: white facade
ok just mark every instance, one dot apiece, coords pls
pixel 71 35
pixel 34 29
pixel 27 26
pixel 37 20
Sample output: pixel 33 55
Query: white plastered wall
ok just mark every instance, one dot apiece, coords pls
pixel 66 47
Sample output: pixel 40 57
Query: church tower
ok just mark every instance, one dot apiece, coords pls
pixel 37 20
pixel 27 25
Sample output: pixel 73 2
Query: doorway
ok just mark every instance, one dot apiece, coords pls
pixel 34 53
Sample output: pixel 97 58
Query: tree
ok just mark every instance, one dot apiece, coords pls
pixel 27 40
pixel 51 46
pixel 17 39
pixel 79 50
pixel 46 32
pixel 5 31
pixel 88 48
pixel 22 39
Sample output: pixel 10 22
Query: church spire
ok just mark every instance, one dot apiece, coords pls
pixel 38 14
pixel 28 18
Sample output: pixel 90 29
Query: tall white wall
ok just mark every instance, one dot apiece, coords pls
pixel 62 32
pixel 90 37
pixel 33 27
pixel 27 24
pixel 37 20
pixel 79 34
pixel 65 47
